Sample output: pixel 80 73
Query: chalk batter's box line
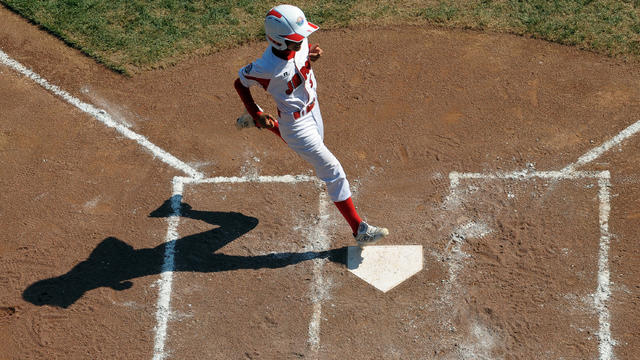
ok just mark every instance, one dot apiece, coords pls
pixel 165 283
pixel 292 179
pixel 603 292
pixel 523 175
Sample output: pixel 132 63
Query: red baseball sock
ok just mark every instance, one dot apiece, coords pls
pixel 350 214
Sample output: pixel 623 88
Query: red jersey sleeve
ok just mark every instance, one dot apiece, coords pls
pixel 245 95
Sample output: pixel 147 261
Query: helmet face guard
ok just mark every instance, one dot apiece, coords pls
pixel 286 22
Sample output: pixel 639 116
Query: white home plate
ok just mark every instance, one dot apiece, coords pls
pixel 384 267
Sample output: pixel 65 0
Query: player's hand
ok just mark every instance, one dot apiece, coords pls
pixel 265 121
pixel 315 52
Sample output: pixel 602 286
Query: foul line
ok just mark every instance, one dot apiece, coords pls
pixel 319 240
pixel 598 151
pixel 102 116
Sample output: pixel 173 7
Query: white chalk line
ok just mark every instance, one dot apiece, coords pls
pixel 290 179
pixel 596 152
pixel 319 286
pixel 471 230
pixel 163 308
pixel 102 116
pixel 163 311
pixel 455 177
pixel 603 292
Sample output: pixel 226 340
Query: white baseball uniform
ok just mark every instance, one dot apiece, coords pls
pixel 292 84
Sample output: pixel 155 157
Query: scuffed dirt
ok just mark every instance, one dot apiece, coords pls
pixel 510 268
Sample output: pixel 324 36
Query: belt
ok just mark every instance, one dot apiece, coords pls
pixel 306 110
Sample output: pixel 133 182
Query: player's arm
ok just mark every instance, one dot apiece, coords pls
pixel 315 52
pixel 252 75
pixel 247 99
pixel 260 118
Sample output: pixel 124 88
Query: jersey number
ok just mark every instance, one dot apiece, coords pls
pixel 297 80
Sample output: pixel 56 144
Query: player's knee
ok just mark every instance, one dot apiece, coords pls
pixel 332 171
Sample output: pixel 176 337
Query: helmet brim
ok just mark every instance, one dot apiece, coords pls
pixel 309 28
pixel 303 32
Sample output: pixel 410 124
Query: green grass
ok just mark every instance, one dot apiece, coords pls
pixel 132 35
pixel 605 26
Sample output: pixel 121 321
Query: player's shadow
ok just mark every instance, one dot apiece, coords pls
pixel 114 263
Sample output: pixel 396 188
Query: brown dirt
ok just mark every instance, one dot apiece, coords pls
pixel 82 243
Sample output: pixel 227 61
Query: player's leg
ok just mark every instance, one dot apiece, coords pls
pixel 304 137
pixel 364 233
pixel 346 207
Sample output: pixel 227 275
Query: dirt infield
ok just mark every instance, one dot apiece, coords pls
pixel 514 267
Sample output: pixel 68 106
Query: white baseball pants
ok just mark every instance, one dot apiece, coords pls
pixel 305 135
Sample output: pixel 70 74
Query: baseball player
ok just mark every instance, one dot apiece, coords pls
pixel 284 70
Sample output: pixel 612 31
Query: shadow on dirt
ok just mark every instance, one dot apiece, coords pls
pixel 113 263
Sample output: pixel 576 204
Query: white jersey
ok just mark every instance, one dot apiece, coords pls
pixel 291 82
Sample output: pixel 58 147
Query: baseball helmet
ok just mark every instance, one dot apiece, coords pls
pixel 286 22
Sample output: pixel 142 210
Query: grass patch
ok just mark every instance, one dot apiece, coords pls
pixel 441 13
pixel 133 35
pixel 604 26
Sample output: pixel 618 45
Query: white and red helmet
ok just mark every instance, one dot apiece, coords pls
pixel 286 22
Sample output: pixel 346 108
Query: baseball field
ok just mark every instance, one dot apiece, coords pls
pixel 500 137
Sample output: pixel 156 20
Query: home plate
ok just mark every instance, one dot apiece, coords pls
pixel 384 267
